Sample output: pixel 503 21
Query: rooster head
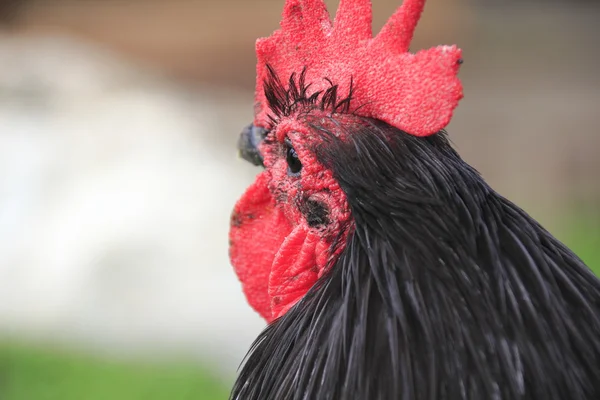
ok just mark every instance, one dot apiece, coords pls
pixel 317 78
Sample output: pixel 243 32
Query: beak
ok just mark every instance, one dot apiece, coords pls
pixel 248 143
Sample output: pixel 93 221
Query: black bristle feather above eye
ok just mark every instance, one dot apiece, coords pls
pixel 284 101
pixel 445 290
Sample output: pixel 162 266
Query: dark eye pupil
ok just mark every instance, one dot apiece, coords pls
pixel 294 164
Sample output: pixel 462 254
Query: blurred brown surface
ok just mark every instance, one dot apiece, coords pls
pixel 532 93
pixel 197 39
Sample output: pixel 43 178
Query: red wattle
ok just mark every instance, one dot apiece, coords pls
pixel 257 230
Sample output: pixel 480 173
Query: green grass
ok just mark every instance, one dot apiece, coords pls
pixel 582 235
pixel 34 373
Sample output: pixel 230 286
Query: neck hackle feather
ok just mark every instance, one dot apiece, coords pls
pixel 445 290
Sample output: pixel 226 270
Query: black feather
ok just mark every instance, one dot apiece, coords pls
pixel 284 101
pixel 445 290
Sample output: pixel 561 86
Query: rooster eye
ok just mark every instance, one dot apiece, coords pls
pixel 294 164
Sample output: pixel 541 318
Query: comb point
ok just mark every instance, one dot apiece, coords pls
pixel 353 20
pixel 305 19
pixel 398 31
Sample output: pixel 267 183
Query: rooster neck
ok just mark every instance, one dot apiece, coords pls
pixel 445 290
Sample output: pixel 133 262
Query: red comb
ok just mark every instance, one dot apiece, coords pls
pixel 416 93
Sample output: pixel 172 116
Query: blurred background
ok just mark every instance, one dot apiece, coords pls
pixel 118 171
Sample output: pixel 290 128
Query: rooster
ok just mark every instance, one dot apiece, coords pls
pixel 384 264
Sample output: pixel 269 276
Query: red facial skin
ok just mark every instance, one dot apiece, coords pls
pixel 275 253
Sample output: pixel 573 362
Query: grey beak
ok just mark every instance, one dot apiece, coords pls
pixel 248 143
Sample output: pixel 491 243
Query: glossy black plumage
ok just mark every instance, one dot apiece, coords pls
pixel 445 290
